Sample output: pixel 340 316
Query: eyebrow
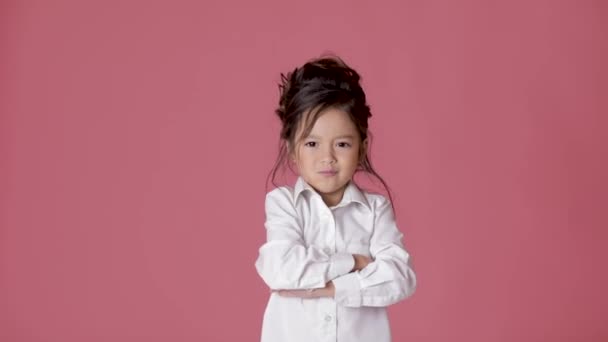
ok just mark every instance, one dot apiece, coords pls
pixel 347 136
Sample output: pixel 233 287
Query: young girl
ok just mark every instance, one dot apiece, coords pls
pixel 334 259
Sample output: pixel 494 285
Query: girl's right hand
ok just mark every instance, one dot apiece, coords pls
pixel 361 261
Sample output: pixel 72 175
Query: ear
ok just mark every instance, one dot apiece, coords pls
pixel 291 154
pixel 363 149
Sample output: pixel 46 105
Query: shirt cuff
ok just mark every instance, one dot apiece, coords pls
pixel 348 290
pixel 340 264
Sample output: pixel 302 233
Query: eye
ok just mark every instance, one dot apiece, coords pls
pixel 343 144
pixel 310 144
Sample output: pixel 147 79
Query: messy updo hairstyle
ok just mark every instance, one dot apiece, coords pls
pixel 307 91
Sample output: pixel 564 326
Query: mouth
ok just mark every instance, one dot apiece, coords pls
pixel 328 172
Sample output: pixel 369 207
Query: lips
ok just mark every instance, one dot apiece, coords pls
pixel 328 172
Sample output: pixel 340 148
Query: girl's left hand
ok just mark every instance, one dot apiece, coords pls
pixel 327 291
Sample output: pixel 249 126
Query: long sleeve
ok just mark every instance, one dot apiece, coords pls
pixel 284 261
pixel 390 277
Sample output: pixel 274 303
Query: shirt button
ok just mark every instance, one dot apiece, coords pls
pixel 327 318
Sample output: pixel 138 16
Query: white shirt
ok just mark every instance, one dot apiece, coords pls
pixel 309 244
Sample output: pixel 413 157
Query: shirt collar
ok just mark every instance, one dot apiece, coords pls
pixel 352 193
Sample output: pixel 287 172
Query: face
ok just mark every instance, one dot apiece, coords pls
pixel 328 157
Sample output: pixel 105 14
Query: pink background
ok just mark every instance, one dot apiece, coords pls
pixel 135 138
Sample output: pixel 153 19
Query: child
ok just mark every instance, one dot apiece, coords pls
pixel 334 258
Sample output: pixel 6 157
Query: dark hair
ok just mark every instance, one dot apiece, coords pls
pixel 305 92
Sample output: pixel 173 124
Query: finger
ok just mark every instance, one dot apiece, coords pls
pixel 296 293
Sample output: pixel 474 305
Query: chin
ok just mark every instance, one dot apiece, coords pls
pixel 328 188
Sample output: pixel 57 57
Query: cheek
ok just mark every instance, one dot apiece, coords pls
pixel 351 158
pixel 303 159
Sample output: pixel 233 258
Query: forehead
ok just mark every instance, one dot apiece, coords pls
pixel 332 122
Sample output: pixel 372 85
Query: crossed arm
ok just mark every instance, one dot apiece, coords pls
pixel 329 290
pixel 292 269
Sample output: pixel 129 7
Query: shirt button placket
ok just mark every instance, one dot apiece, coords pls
pixel 327 318
pixel 330 316
pixel 332 225
pixel 329 328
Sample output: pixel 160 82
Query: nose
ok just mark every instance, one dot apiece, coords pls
pixel 328 156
